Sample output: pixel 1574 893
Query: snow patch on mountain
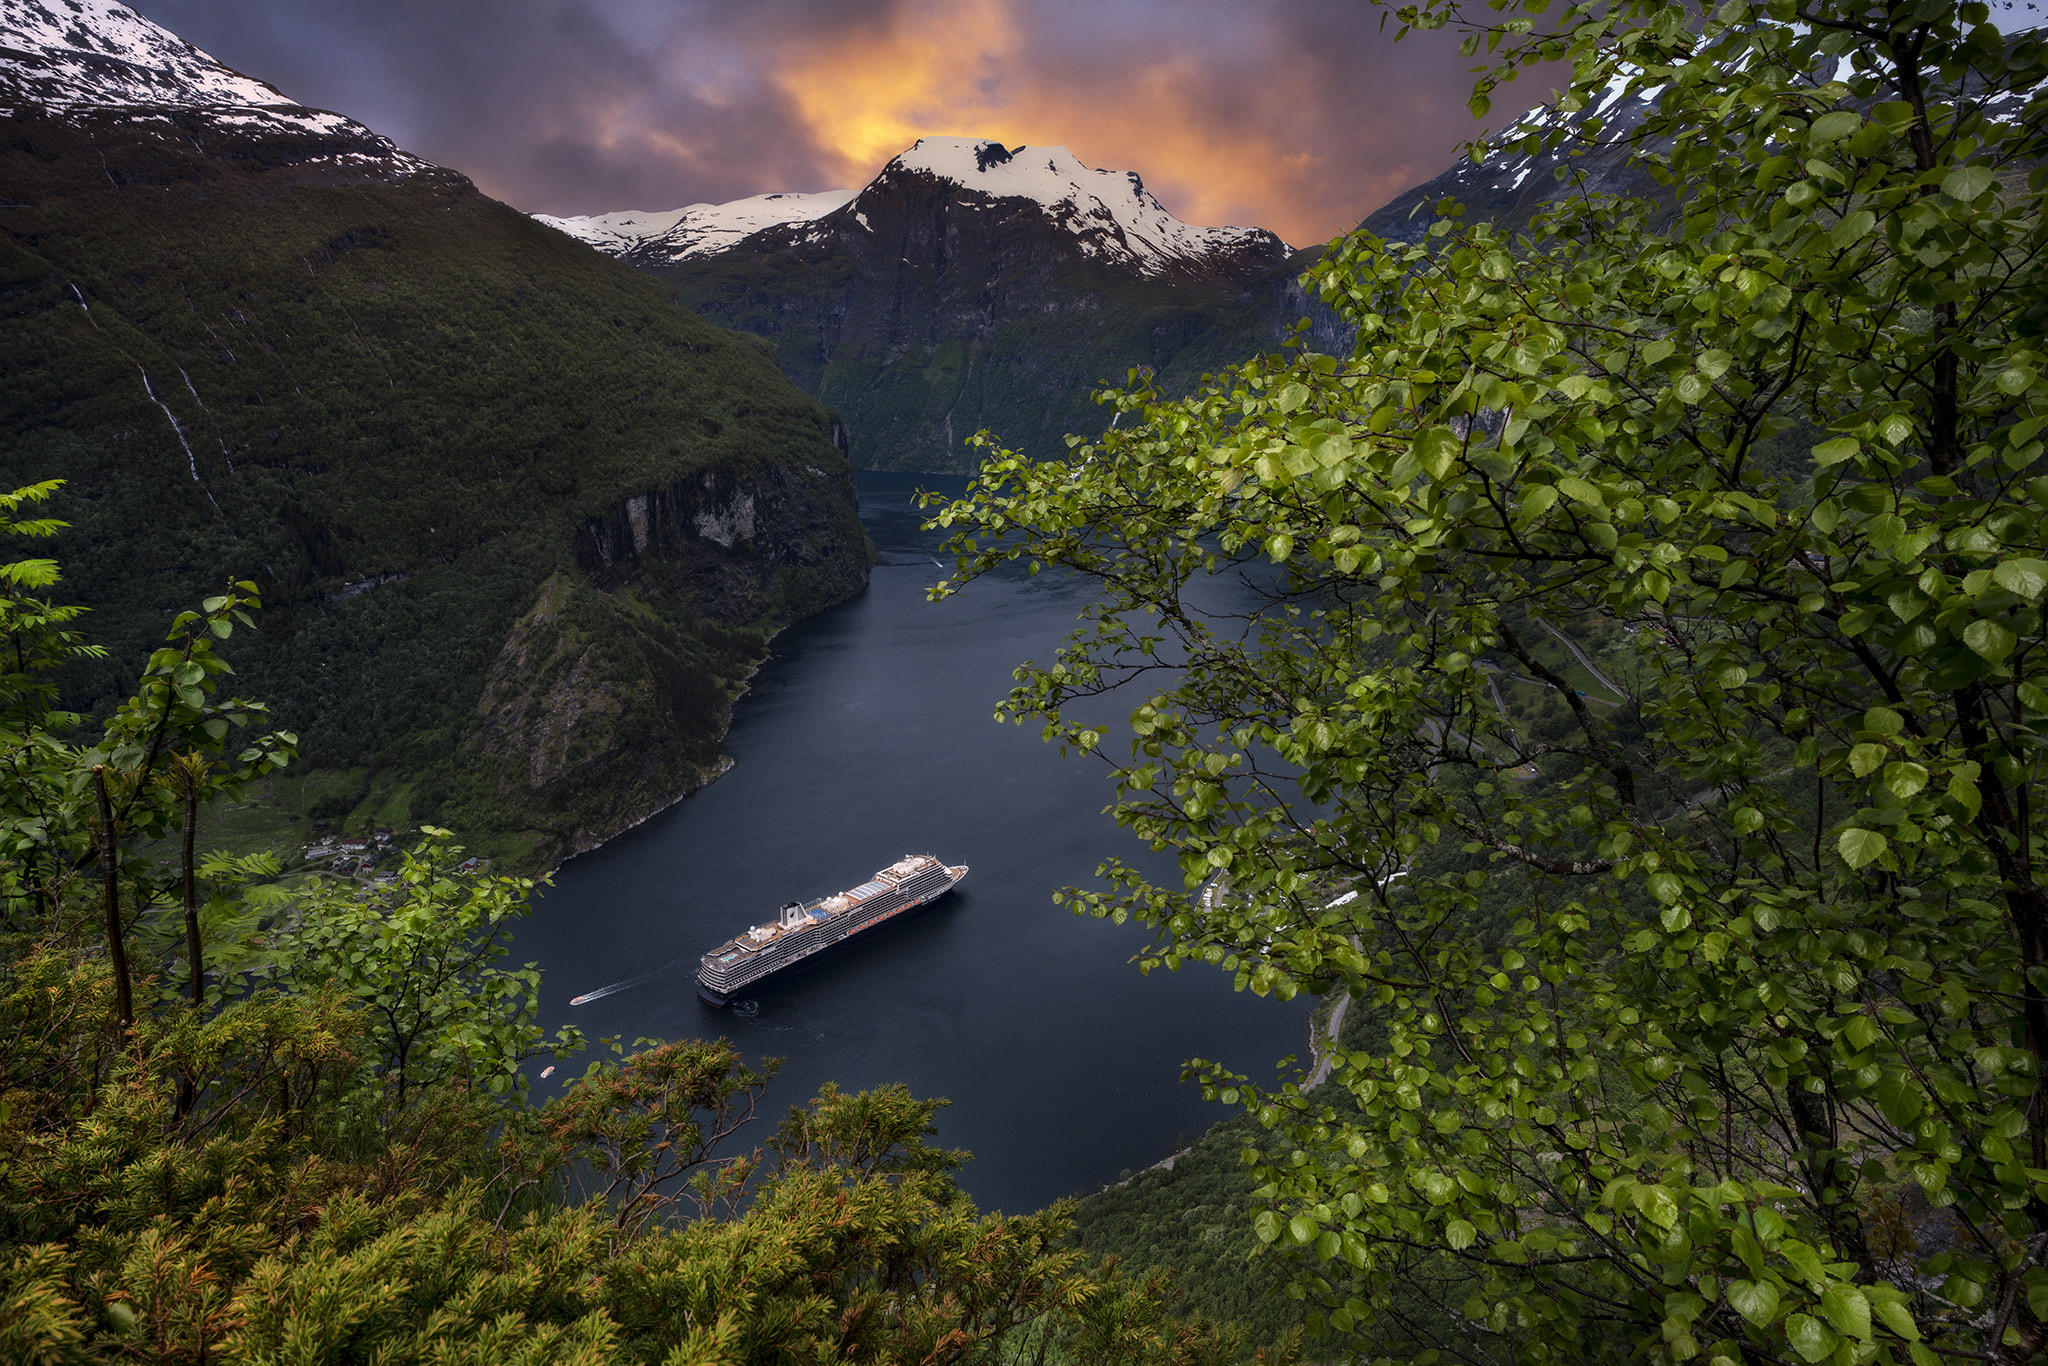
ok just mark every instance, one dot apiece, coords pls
pixel 99 57
pixel 695 230
pixel 1110 213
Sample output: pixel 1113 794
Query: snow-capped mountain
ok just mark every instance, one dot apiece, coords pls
pixel 1108 216
pixel 1511 186
pixel 969 284
pixel 696 230
pixel 99 59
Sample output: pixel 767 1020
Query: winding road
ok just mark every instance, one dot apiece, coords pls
pixel 1585 660
pixel 1328 1049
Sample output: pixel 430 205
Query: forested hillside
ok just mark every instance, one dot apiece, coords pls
pixel 523 525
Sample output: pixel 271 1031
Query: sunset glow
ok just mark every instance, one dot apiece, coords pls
pixel 1301 116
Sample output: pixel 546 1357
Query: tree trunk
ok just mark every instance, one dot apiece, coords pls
pixel 110 881
pixel 193 959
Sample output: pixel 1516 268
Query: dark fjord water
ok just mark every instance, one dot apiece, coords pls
pixel 868 736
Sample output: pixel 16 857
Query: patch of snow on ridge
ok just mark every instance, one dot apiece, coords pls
pixel 697 229
pixel 100 56
pixel 1110 211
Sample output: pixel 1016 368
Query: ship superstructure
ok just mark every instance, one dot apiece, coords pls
pixel 805 928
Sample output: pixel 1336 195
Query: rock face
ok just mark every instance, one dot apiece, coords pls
pixel 523 525
pixel 968 285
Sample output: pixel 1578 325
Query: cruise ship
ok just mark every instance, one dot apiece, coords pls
pixel 804 928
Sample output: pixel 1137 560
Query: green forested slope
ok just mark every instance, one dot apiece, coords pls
pixel 419 421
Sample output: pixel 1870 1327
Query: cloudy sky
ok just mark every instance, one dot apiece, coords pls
pixel 1297 115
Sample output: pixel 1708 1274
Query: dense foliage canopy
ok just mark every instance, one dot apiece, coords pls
pixel 1645 722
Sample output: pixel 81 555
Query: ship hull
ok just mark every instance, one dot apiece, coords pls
pixel 810 931
pixel 794 968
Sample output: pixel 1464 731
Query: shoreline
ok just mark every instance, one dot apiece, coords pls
pixel 1321 1052
pixel 725 761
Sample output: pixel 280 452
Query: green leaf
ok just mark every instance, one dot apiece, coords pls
pixel 1835 452
pixel 1809 1337
pixel 2026 577
pixel 1898 1318
pixel 1859 847
pixel 1989 639
pixel 1266 1223
pixel 1536 500
pixel 1962 790
pixel 1833 127
pixel 1579 491
pixel 1898 1097
pixel 1967 182
pixel 1459 1233
pixel 1435 449
pixel 1847 1310
pixel 1657 1205
pixel 1756 1301
pixel 1853 228
pixel 1903 778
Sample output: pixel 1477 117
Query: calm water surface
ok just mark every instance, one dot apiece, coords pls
pixel 868 736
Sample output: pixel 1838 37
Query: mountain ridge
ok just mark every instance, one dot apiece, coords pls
pixel 1110 215
pixel 970 285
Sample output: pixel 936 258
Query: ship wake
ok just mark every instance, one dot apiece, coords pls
pixel 623 984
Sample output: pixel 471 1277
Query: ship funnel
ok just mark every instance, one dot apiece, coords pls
pixel 792 914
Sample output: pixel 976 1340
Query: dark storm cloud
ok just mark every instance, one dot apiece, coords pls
pixel 563 106
pixel 1300 115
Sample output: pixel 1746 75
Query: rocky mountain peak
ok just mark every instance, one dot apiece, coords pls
pixel 99 59
pixel 1109 216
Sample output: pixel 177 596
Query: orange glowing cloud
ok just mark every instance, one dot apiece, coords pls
pixel 929 66
pixel 1206 166
pixel 1218 145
